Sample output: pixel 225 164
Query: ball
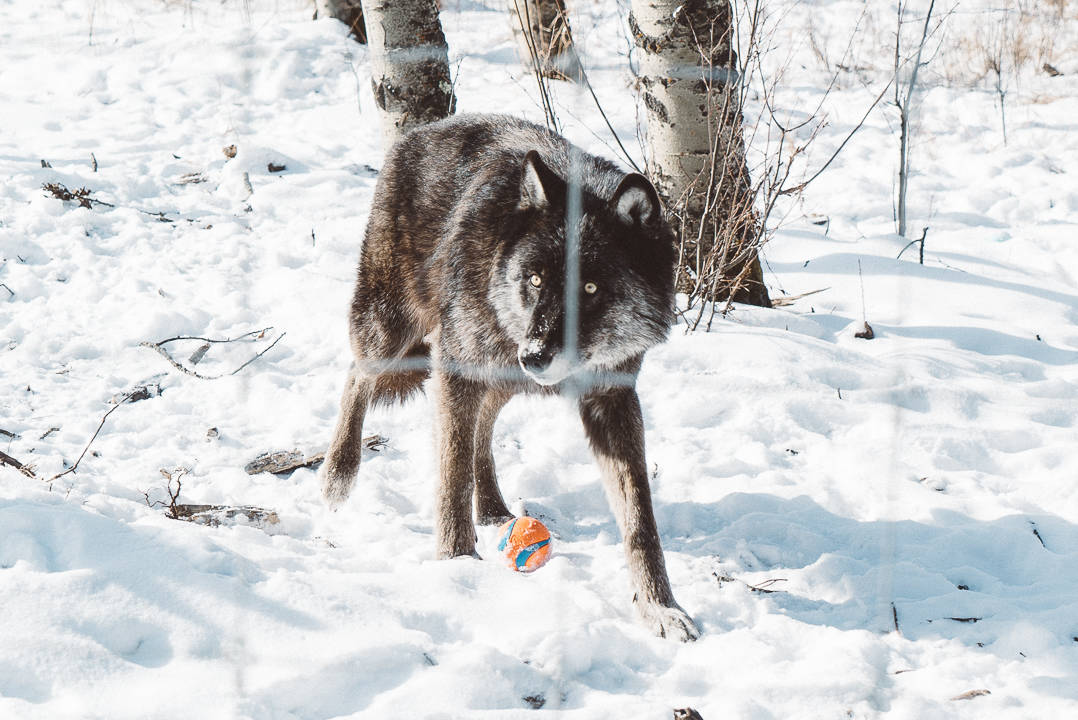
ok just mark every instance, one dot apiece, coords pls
pixel 525 544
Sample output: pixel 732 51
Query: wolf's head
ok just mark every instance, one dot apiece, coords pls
pixel 624 285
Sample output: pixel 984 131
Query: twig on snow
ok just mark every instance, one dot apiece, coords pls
pixel 173 495
pixel 160 349
pixel 765 586
pixel 81 456
pixel 258 333
pixel 921 240
pixel 790 299
pixel 83 196
pixel 1038 535
pixel 866 332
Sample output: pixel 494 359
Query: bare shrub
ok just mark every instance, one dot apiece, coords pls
pixel 737 200
pixel 1005 43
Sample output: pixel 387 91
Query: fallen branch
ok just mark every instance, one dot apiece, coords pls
pixel 790 299
pixel 282 462
pixel 208 515
pixel 215 515
pixel 83 196
pixel 26 470
pixel 159 348
pixel 285 461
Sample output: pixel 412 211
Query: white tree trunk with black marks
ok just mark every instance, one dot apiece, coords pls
pixel 696 152
pixel 409 64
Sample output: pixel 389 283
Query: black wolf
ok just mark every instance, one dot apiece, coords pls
pixel 463 277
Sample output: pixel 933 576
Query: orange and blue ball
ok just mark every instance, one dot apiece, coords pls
pixel 525 544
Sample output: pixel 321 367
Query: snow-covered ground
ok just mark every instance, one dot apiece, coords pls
pixel 813 490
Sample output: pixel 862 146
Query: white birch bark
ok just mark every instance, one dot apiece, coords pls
pixel 696 153
pixel 409 64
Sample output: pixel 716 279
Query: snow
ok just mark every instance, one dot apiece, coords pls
pixel 925 478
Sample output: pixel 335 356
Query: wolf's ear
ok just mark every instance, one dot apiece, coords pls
pixel 539 185
pixel 635 201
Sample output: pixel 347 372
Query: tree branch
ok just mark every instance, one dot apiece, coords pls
pixel 159 348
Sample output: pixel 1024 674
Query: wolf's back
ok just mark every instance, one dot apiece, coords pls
pixel 472 159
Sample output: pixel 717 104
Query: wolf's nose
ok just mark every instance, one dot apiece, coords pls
pixel 535 361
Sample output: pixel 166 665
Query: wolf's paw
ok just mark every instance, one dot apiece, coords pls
pixel 668 622
pixel 494 518
pixel 490 509
pixel 456 544
pixel 449 554
pixel 335 487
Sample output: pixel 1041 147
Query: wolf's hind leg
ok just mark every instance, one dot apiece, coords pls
pixel 342 459
pixel 490 507
pixel 615 429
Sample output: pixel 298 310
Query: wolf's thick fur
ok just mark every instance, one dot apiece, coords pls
pixel 462 276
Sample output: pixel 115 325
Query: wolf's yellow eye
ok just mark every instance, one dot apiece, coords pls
pixel 535 280
pixel 590 288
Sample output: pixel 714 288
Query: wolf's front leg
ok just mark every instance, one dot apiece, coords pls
pixel 490 506
pixel 458 401
pixel 615 429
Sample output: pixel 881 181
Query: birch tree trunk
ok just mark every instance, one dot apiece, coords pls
pixel 696 149
pixel 409 64
pixel 541 29
pixel 349 12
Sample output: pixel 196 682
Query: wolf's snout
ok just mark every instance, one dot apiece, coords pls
pixel 535 360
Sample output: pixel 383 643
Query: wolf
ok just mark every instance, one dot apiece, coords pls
pixel 499 259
